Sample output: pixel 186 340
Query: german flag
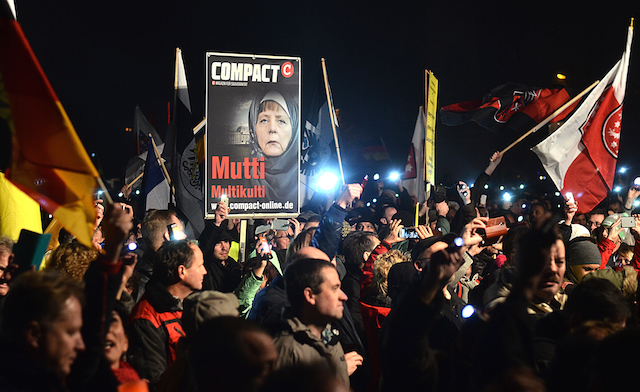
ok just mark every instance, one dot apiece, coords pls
pixel 47 159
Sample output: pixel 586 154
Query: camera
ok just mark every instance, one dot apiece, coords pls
pixel 408 232
pixel 628 222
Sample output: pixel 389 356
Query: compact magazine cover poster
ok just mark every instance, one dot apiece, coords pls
pixel 253 135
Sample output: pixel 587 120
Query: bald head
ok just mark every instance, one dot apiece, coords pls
pixel 309 252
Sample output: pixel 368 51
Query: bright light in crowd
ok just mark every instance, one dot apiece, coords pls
pixel 502 187
pixel 394 176
pixel 557 193
pixel 636 182
pixel 100 192
pixel 93 154
pixel 617 188
pixel 506 196
pixel 374 200
pixel 486 186
pixel 137 191
pixel 376 177
pixel 327 181
pixel 636 203
pixel 132 246
pixel 120 194
pixel 561 76
pixel 520 218
pixel 622 170
pixel 521 186
pixel 368 204
pixel 50 216
pixel 467 311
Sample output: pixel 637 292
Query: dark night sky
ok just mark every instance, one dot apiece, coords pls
pixel 104 58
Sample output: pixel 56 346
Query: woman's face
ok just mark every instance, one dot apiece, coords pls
pixel 116 342
pixel 273 130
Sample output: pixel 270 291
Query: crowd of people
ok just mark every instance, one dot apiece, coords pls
pixel 386 294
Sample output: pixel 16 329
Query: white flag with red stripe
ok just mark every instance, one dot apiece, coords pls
pixel 580 157
pixel 413 178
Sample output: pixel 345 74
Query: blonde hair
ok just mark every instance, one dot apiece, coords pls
pixel 381 268
pixel 71 259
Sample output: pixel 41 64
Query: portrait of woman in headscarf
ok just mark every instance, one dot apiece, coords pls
pixel 273 129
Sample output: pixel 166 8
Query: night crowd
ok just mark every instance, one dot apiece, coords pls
pixel 481 295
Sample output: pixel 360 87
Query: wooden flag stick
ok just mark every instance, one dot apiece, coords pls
pixel 550 117
pixel 331 114
pixel 136 179
pixel 164 169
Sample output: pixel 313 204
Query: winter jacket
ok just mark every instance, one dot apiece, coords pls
pixel 298 345
pixel 156 327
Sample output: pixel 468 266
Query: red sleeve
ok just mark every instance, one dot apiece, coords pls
pixel 606 247
pixel 635 263
pixel 367 271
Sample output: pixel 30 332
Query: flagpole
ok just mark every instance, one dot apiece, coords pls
pixel 550 117
pixel 136 179
pixel 164 169
pixel 331 114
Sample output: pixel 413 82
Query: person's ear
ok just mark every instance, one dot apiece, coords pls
pixel 182 270
pixel 166 236
pixel 418 265
pixel 309 296
pixel 33 334
pixel 365 255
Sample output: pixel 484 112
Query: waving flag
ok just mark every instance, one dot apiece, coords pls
pixel 413 178
pixel 581 155
pixel 519 105
pixel 155 185
pixel 48 161
pixel 317 151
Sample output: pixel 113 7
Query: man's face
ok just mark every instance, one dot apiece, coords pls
pixel 281 240
pixel 547 283
pixel 4 263
pixel 580 271
pixel 328 302
pixel 273 130
pixel 61 340
pixel 195 274
pixel 366 226
pixel 389 212
pixel 595 221
pixel 221 250
pixel 537 212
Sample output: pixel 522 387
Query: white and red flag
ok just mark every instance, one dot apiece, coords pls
pixel 580 157
pixel 413 178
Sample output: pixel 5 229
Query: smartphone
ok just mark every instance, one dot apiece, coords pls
pixel 628 222
pixel 29 250
pixel 280 224
pixel 483 200
pixel 408 232
pixel 496 227
pixel 569 196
